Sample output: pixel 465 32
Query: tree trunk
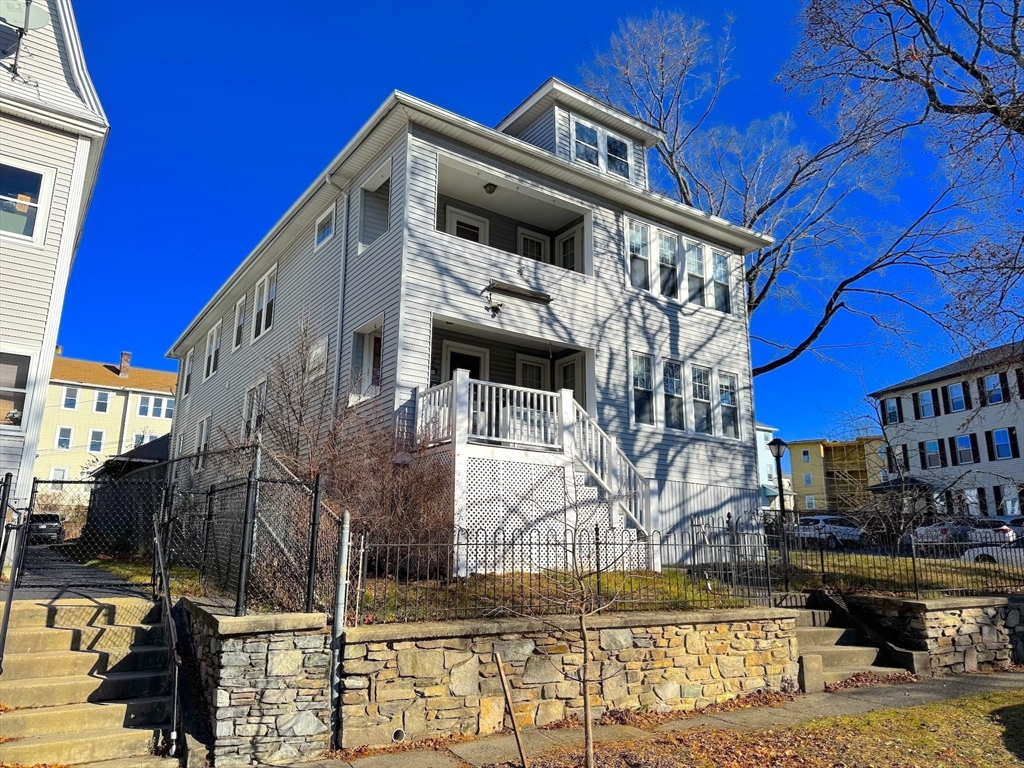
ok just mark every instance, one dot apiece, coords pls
pixel 588 723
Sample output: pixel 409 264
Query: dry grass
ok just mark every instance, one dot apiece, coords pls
pixel 184 581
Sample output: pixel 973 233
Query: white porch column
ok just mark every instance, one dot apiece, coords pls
pixel 416 412
pixel 460 439
pixel 568 422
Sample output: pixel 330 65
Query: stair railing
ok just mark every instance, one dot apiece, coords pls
pixel 611 468
pixel 18 531
pixel 170 630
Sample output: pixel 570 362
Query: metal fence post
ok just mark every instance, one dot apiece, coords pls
pixel 597 556
pixel 913 564
pixel 210 496
pixel 20 533
pixel 248 523
pixel 314 539
pixel 27 522
pixel 5 498
pixel 338 628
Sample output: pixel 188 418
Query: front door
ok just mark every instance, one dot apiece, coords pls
pixel 569 375
pixel 465 361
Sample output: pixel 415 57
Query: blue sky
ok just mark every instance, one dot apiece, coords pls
pixel 223 112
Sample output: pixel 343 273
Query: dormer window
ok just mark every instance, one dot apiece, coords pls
pixel 601 148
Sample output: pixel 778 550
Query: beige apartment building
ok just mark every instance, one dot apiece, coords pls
pixel 835 475
pixel 98 410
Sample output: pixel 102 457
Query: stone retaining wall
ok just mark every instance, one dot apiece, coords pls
pixel 960 634
pixel 436 679
pixel 265 680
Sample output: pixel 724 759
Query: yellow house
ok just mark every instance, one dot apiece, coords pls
pixel 835 476
pixel 96 410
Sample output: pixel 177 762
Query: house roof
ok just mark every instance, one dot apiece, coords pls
pixel 997 357
pixel 71 371
pixel 392 116
pixel 554 90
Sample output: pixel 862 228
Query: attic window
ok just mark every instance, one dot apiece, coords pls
pixel 597 146
pixel 375 211
pixel 324 228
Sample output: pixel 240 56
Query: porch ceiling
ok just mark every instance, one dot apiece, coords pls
pixel 501 337
pixel 506 200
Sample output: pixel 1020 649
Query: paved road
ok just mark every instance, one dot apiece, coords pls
pixel 857 701
pixel 49 573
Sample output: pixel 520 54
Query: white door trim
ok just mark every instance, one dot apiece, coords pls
pixel 447 347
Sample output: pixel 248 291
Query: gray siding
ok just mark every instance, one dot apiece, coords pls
pixel 375 213
pixel 542 133
pixel 445 274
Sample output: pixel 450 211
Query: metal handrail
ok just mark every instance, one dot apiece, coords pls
pixel 173 656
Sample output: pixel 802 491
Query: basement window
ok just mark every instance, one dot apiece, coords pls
pixel 375 208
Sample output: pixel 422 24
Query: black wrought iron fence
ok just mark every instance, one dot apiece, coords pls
pixel 896 565
pixel 403 576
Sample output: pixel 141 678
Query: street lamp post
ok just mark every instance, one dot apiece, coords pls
pixel 778 447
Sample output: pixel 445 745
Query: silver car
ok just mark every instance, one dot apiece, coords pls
pixel 831 530
pixel 1002 554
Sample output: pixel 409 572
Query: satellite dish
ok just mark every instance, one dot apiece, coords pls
pixel 12 13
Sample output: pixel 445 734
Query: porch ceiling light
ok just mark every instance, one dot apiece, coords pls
pixel 489 188
pixel 778 447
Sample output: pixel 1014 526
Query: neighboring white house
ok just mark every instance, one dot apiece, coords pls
pixel 598 326
pixel 767 476
pixel 52 133
pixel 957 428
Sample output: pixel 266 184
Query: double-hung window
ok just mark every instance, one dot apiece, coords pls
pixel 23 201
pixel 64 437
pixel 13 388
pixel 674 405
pixel 186 384
pixel 892 410
pixel 639 255
pixel 144 405
pixel 701 379
pixel 239 334
pixel 169 408
pixel 668 263
pixel 212 352
pixel 926 404
pixel 255 402
pixel 805 457
pixel 957 401
pixel 808 479
pixel 367 353
pixel 96 441
pixel 728 384
pixel 70 401
pixel 1001 444
pixel 964 450
pixel 264 303
pixel 993 392
pixel 931 453
pixel 720 276
pixel 202 441
pixel 643 389
pixel 599 147
pixel 102 402
pixel 695 273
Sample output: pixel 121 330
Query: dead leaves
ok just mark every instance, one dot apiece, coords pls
pixel 869 679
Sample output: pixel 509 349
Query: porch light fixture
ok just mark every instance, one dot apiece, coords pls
pixel 778 447
pixel 489 188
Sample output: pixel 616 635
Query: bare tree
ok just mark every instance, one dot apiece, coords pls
pixel 841 244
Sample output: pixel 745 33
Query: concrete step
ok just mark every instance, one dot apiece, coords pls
pixel 813 636
pixel 41 639
pixel 93 716
pixel 29 666
pixel 813 618
pixel 838 674
pixel 55 691
pixel 843 656
pixel 151 761
pixel 83 612
pixel 81 747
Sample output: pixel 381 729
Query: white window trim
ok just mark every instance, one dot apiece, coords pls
pixel 963 397
pixel 32 354
pixel 54 469
pixel 453 215
pixel 264 281
pixel 580 361
pixel 103 439
pixel 652 232
pixel 366 391
pixel 656 388
pixel 186 373
pixel 602 148
pixel 202 436
pixel 149 407
pixel 96 400
pixel 717 403
pixel 214 332
pixel 545 242
pixel 705 251
pixel 969 449
pixel 995 445
pixel 682 297
pixel 808 478
pixel 236 343
pixel 247 420
pixel 556 257
pixel 56 438
pixel 728 281
pixel 312 375
pixel 447 347
pixel 372 184
pixel 38 239
pixel 180 445
pixel 543 362
pixel 682 382
pixel 64 398
pixel 810 502
pixel 327 214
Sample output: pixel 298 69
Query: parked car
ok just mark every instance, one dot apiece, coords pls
pixel 990 530
pixel 1004 554
pixel 45 528
pixel 831 530
pixel 942 532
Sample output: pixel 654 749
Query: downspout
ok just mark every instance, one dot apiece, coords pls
pixel 124 420
pixel 341 292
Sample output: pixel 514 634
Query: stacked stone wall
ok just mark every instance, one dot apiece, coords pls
pixel 441 679
pixel 961 634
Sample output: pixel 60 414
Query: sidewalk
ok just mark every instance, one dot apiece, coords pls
pixel 858 701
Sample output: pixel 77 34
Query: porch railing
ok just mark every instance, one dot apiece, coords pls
pixel 611 468
pixel 514 415
pixel 434 414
